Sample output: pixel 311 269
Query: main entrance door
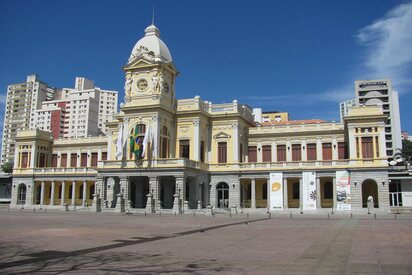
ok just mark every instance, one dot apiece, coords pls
pixel 222 190
pixel 395 193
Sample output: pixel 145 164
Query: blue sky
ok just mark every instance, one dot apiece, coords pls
pixel 296 56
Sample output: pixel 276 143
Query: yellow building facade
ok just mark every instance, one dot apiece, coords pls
pixel 180 156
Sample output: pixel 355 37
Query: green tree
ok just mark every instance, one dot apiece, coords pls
pixel 7 167
pixel 407 151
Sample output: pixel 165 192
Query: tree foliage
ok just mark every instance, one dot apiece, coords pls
pixel 407 150
pixel 7 167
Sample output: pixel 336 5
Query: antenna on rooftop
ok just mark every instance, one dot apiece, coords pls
pixel 153 12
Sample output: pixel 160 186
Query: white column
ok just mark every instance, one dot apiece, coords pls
pixel 33 156
pixel 319 149
pixel 285 194
pixel 196 140
pixel 253 195
pixel 318 193
pixel 59 159
pixel 300 193
pixel 382 143
pixel 267 194
pixel 259 152
pixel 288 151
pixel 16 157
pixel 236 142
pixel 99 154
pixel 73 192
pixel 304 151
pixel 69 159
pixel 53 187
pixel 79 157
pixel 334 192
pixel 156 136
pixel 109 146
pixel 352 144
pixel 84 193
pixel 42 193
pixel 63 193
pixel 89 158
pixel 335 149
pixel 274 152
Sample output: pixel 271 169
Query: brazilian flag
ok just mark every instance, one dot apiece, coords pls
pixel 136 144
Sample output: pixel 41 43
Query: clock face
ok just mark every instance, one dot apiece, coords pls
pixel 142 84
pixel 166 87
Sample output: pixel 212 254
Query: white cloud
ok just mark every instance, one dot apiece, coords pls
pixel 388 46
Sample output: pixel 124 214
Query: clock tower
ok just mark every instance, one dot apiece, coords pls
pixel 150 101
pixel 150 74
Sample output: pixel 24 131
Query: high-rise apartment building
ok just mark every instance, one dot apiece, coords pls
pixel 379 92
pixel 23 99
pixel 78 112
pixel 67 112
pixel 344 108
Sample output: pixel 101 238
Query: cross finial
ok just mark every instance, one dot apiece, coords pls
pixel 153 12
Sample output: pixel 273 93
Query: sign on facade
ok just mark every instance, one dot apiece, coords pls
pixel 276 191
pixel 343 190
pixel 309 190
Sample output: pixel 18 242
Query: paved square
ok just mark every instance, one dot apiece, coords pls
pixel 60 242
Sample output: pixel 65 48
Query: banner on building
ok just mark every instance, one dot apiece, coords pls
pixel 276 191
pixel 309 190
pixel 343 190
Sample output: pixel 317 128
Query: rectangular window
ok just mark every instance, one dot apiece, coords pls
pixel 241 153
pixel 104 155
pixel 326 151
pixel 184 148
pixel 222 152
pixel 94 160
pixel 42 160
pixel 63 160
pixel 296 152
pixel 83 160
pixel 54 160
pixel 281 152
pixel 367 147
pixel 252 153
pixel 267 153
pixel 311 151
pixel 73 160
pixel 24 159
pixel 342 150
pixel 202 151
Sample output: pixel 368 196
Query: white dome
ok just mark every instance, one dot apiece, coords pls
pixel 152 46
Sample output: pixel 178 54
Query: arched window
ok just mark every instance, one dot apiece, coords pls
pixel 164 142
pixel 136 138
pixel 21 199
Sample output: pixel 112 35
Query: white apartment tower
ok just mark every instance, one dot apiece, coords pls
pixel 379 92
pixel 23 99
pixel 344 108
pixel 67 112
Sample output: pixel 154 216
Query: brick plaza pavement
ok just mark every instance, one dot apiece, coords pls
pixel 90 243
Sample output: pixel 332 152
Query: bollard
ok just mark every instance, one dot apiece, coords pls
pixel 160 213
pixel 374 214
pixel 351 215
pixel 145 213
pixel 21 210
pixel 45 210
pixel 230 215
pixel 332 211
pixel 175 213
pixel 328 215
pixel 290 215
pixel 34 210
pixel 395 217
pixel 194 214
pixel 270 215
pixel 301 210
pixel 247 215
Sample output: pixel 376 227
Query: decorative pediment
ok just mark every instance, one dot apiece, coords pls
pixel 221 135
